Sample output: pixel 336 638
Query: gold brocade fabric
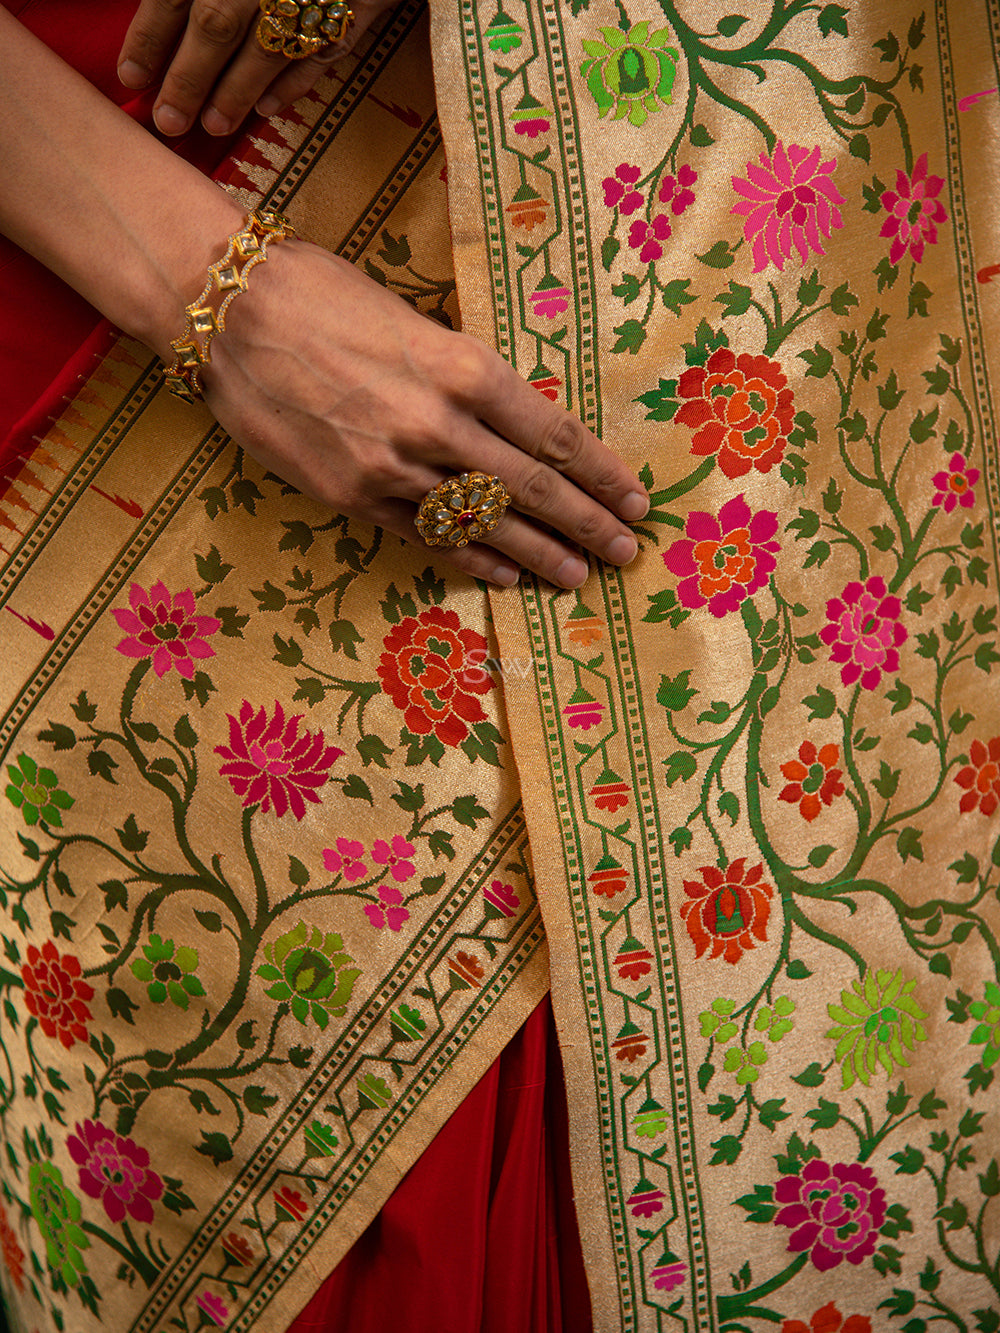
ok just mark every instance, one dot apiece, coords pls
pixel 269 894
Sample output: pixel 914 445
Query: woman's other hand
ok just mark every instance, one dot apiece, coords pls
pixel 206 56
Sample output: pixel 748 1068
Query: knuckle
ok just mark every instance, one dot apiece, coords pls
pixel 537 489
pixel 467 369
pixel 589 527
pixel 216 23
pixel 384 473
pixel 562 444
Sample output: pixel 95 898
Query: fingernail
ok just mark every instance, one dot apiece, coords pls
pixel 268 105
pixel 572 572
pixel 622 549
pixel 169 120
pixel 635 505
pixel 215 122
pixel 132 75
pixel 506 575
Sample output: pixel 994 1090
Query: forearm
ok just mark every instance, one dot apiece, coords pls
pixel 100 201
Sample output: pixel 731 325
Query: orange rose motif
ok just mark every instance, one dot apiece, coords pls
pixel 980 778
pixel 829 1320
pixel 13 1255
pixel 740 408
pixel 432 671
pixel 812 779
pixel 727 909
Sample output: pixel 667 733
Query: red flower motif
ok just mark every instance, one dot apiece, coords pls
pixel 238 1248
pixel 646 237
pixel 955 486
pixel 501 900
pixel 812 779
pixel 739 407
pixel 723 560
pixel 676 190
pixel 56 994
pixel 789 202
pixel 630 1044
pixel 115 1170
pixel 667 1276
pixel 13 1255
pixel 828 1319
pixel 431 669
pixel 466 970
pixel 914 212
pixel 980 779
pixel 398 857
pixel 269 764
pixel 646 1200
pixel 608 877
pixel 165 628
pixel 618 192
pixel 728 909
pixel 633 961
pixel 610 796
pixel 834 1211
pixel 864 632
pixel 290 1203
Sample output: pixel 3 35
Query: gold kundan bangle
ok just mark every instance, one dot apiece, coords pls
pixel 206 316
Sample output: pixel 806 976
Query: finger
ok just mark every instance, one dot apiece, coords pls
pixel 215 28
pixel 295 80
pixel 151 36
pixel 478 561
pixel 243 83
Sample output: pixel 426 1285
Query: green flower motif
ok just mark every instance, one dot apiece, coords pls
pixel 310 969
pixel 987 1031
pixel 877 1023
pixel 775 1021
pixel 746 1065
pixel 715 1021
pixel 503 34
pixel 169 972
pixel 57 1213
pixel 631 72
pixel 36 792
pixel 650 1119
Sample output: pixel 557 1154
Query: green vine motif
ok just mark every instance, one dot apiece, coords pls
pixel 431 296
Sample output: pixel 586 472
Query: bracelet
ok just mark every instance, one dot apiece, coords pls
pixel 206 316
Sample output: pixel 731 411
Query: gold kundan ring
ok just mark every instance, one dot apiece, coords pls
pixel 299 28
pixel 462 509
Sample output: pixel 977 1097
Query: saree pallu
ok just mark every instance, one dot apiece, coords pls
pixel 294 815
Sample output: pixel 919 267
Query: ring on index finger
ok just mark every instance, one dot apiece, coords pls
pixel 461 509
pixel 299 28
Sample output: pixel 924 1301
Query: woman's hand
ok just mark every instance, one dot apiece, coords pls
pixel 209 62
pixel 339 386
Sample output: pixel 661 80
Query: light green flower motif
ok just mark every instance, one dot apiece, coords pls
pixel 169 972
pixel 987 1031
pixel 310 969
pixel 878 1022
pixel 746 1065
pixel 631 72
pixel 36 792
pixel 650 1119
pixel 775 1021
pixel 57 1213
pixel 503 34
pixel 714 1021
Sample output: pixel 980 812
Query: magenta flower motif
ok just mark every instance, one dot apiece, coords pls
pixel 550 298
pixel 676 190
pixel 669 1273
pixel 914 212
pixel 164 627
pixel 585 714
pixel 864 632
pixel 722 560
pixel 789 202
pixel 618 192
pixel 387 911
pixel 646 1200
pixel 530 117
pixel 646 237
pixel 269 764
pixel 346 858
pixel 397 857
pixel 501 900
pixel 214 1307
pixel 955 486
pixel 114 1170
pixel 834 1212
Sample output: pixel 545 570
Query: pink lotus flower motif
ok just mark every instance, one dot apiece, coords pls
pixel 346 858
pixel 646 1200
pixel 501 900
pixel 550 298
pixel 914 212
pixel 720 561
pixel 269 764
pixel 646 237
pixel 164 627
pixel 214 1307
pixel 397 857
pixel 669 1273
pixel 618 192
pixel 583 710
pixel 864 632
pixel 789 201
pixel 114 1170
pixel 387 911
pixel 676 190
pixel 955 486
pixel 834 1212
pixel 530 117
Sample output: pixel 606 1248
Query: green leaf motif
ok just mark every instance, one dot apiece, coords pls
pixel 833 19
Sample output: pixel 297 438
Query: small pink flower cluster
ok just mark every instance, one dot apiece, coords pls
pixel 647 236
pixel 347 858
